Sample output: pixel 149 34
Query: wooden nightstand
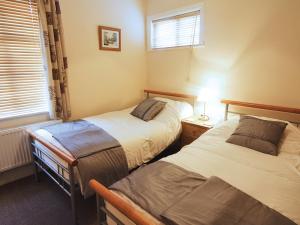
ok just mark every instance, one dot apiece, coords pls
pixel 192 128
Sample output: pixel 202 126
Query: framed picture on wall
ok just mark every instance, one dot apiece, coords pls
pixel 109 38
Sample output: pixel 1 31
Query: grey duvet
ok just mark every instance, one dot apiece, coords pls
pixel 100 156
pixel 179 197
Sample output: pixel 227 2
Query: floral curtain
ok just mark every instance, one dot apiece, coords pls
pixel 50 17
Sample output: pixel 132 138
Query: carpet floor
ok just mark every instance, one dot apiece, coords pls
pixel 26 202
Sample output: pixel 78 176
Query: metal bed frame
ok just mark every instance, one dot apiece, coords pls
pixel 258 106
pixel 69 186
pixel 133 215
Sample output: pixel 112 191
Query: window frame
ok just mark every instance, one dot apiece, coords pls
pixel 172 13
pixel 32 117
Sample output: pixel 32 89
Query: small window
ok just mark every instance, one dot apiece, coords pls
pixel 177 30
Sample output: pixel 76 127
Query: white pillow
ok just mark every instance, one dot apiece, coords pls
pixel 183 109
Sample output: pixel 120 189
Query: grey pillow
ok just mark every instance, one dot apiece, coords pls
pixel 148 109
pixel 257 134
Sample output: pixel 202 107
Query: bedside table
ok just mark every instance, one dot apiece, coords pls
pixel 192 128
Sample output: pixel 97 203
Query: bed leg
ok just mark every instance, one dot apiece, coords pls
pixel 35 166
pixel 73 197
pixel 36 172
pixel 101 217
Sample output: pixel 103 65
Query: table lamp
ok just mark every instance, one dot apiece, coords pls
pixel 205 96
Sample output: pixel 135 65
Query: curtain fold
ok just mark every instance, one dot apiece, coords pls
pixel 57 64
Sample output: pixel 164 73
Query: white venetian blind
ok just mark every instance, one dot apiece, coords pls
pixel 23 83
pixel 176 31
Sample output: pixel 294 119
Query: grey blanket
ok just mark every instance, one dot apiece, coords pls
pixel 99 155
pixel 178 197
pixel 157 186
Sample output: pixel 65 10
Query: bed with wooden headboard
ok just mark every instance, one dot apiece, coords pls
pixel 273 180
pixel 140 140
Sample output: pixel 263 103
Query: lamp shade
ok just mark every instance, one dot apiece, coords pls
pixel 207 95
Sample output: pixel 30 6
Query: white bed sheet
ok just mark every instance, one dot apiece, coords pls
pixel 141 140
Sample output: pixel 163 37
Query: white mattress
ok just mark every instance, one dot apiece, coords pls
pixel 141 140
pixel 275 181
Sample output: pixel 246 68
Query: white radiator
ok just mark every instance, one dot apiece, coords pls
pixel 15 146
pixel 15 149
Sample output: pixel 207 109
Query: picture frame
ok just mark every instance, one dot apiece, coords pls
pixel 109 38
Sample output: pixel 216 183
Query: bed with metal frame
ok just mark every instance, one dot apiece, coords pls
pixel 135 216
pixel 69 186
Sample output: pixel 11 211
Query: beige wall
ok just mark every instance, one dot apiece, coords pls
pixel 102 81
pixel 252 52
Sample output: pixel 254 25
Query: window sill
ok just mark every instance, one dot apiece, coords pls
pixel 18 121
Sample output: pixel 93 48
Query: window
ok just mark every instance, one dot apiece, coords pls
pixel 177 29
pixel 23 81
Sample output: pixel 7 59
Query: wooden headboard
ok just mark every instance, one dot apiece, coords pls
pixel 189 98
pixel 257 106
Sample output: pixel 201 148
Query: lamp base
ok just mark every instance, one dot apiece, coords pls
pixel 204 118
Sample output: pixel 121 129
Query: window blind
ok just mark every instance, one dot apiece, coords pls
pixel 23 83
pixel 176 31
